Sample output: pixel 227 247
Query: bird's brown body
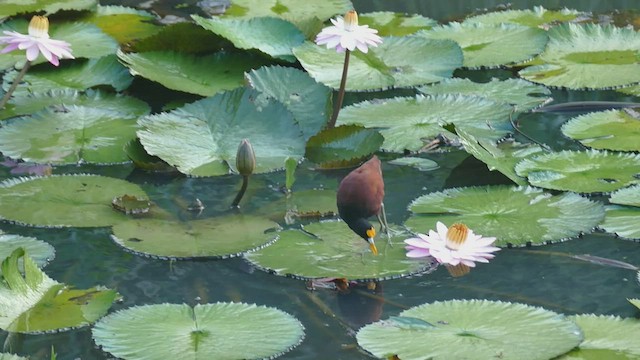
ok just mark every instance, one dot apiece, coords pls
pixel 360 196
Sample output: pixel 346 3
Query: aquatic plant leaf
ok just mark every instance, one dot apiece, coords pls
pixel 421 164
pixel 521 94
pixel 80 75
pixel 626 196
pixel 222 330
pixel 608 130
pixel 290 165
pixel 291 10
pixel 124 24
pixel 405 122
pixel 203 75
pixel 534 18
pixel 588 56
pixel 514 215
pixel 395 24
pixel 581 171
pixel 309 102
pixel 624 221
pixel 14 7
pixel 34 303
pixel 491 46
pixel 473 329
pixel 333 250
pixel 312 204
pixel 635 302
pixel 502 157
pixel 39 251
pixel 182 37
pixel 75 135
pixel 7 356
pixel 397 62
pixel 605 337
pixel 273 36
pixel 343 144
pixel 136 152
pixel 64 200
pixel 60 99
pixel 201 138
pixel 218 237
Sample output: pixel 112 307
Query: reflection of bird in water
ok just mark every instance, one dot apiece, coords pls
pixel 362 304
pixel 359 197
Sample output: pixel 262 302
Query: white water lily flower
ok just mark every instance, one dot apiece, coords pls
pixel 347 34
pixel 452 246
pixel 37 42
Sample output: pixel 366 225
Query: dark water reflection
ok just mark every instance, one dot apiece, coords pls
pixel 539 276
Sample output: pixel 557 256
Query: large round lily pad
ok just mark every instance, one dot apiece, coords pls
pixel 333 250
pixel 471 329
pixel 514 215
pixel 218 237
pixel 39 251
pixel 581 171
pixel 535 17
pixel 588 56
pixel 606 337
pixel 209 331
pixel 610 130
pixel 71 200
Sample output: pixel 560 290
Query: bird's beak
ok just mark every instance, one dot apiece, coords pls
pixel 372 246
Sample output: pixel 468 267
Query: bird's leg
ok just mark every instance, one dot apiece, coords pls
pixel 383 224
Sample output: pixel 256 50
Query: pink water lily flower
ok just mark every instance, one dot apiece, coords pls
pixel 37 42
pixel 452 246
pixel 347 34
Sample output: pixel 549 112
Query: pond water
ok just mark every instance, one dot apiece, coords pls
pixel 539 276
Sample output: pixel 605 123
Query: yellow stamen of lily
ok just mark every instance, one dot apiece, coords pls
pixel 39 27
pixel 456 236
pixel 351 20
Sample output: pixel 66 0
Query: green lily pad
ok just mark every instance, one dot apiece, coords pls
pixel 292 10
pixel 502 157
pixel 136 152
pixel 80 75
pixel 272 36
pixel 635 302
pixel 623 221
pixel 123 23
pixel 14 7
pixel 609 130
pixel 332 148
pixel 514 215
pixel 41 253
pixel 333 250
pixel 201 138
pixel 581 171
pixel 75 135
pixel 302 205
pixel 473 329
pixel 67 200
pixel 7 356
pixel 396 24
pixel 209 331
pixel 182 37
pixel 405 122
pixel 421 164
pixel 308 101
pixel 219 237
pixel 606 337
pixel 397 62
pixel 203 75
pixel 60 99
pixel 34 303
pixel 491 46
pixel 534 18
pixel 588 56
pixel 626 196
pixel 522 94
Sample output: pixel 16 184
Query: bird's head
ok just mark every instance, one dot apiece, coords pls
pixel 366 231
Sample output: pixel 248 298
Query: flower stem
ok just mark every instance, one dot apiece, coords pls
pixel 245 183
pixel 13 87
pixel 343 82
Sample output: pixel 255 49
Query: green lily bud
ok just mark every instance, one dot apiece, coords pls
pixel 245 158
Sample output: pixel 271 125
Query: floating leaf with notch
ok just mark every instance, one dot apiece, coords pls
pixel 514 215
pixel 473 329
pixel 342 146
pixel 206 331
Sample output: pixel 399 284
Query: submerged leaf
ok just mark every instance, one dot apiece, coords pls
pixel 473 329
pixel 208 331
pixel 514 215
